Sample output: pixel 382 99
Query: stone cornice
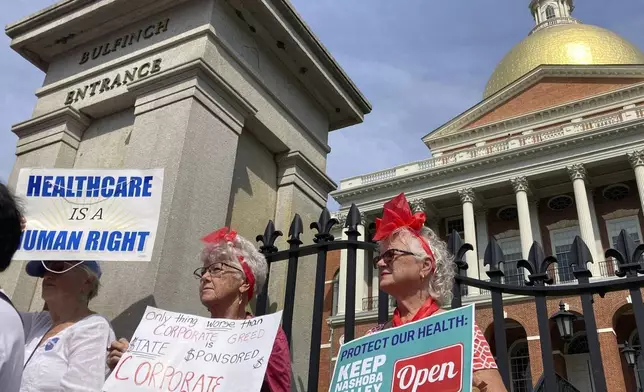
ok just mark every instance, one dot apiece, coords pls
pixel 227 101
pixel 63 125
pixel 295 168
pixel 452 129
pixel 68 24
pixel 520 153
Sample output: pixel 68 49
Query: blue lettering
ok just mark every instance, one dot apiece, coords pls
pixel 121 187
pixel 143 235
pixel 81 180
pixel 45 240
pixel 74 240
pixel 460 321
pixel 114 241
pixel 93 185
pixel 46 190
pixel 106 186
pixel 61 241
pixel 101 247
pixel 135 187
pixel 128 241
pixel 34 185
pixel 59 187
pixel 29 239
pixel 147 185
pixel 69 192
pixel 92 240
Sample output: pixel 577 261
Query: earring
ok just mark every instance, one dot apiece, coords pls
pixel 422 276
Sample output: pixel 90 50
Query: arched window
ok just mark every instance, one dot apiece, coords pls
pixel 520 376
pixel 335 284
pixel 550 12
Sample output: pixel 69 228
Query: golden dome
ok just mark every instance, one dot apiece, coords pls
pixel 565 44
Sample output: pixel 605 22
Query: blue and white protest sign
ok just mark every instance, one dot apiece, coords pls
pixel 430 355
pixel 109 215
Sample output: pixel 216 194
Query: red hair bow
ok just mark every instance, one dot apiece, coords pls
pixel 397 214
pixel 223 234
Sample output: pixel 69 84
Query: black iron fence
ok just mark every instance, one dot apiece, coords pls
pixel 540 284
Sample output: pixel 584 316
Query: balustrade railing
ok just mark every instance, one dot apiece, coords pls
pixel 371 303
pixel 527 139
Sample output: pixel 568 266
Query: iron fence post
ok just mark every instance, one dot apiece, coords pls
pixel 268 247
pixel 458 248
pixel 291 277
pixel 323 227
pixel 537 264
pixel 580 254
pixel 353 220
pixel 492 258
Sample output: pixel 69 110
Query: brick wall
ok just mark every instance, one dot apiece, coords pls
pixel 551 92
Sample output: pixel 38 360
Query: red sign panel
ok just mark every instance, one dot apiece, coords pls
pixel 437 371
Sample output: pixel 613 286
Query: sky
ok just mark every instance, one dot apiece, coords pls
pixel 419 63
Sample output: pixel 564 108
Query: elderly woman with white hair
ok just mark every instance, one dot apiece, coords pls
pixel 418 271
pixel 233 272
pixel 65 345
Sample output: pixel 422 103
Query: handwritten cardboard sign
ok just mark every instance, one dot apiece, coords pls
pixel 178 352
pixel 109 215
pixel 430 355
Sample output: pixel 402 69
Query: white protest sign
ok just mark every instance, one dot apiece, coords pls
pixel 109 215
pixel 178 352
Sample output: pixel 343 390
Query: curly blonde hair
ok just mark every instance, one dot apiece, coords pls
pixel 441 281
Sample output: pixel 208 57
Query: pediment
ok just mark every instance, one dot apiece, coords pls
pixel 548 91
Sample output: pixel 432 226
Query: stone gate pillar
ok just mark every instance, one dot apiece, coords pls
pixel 233 99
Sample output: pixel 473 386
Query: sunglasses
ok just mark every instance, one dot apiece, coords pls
pixel 389 256
pixel 214 269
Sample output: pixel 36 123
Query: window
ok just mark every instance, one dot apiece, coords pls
pixel 521 378
pixel 455 224
pixel 550 12
pixel 335 284
pixel 631 224
pixel 511 248
pixel 562 240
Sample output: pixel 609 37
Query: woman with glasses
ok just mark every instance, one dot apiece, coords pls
pixel 416 269
pixel 65 345
pixel 233 272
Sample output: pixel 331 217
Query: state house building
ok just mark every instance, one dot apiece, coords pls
pixel 555 149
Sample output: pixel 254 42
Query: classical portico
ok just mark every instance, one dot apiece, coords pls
pixel 233 99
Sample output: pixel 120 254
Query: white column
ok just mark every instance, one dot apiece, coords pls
pixel 467 198
pixel 534 220
pixel 482 241
pixel 637 161
pixel 361 272
pixel 599 248
pixel 520 185
pixel 342 278
pixel 578 175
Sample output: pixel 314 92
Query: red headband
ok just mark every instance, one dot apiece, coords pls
pixel 397 214
pixel 226 235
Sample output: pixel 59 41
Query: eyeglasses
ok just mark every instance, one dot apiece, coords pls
pixel 389 256
pixel 214 269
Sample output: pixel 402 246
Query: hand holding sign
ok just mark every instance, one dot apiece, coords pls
pixel 173 351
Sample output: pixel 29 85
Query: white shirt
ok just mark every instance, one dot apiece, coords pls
pixel 12 348
pixel 73 360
